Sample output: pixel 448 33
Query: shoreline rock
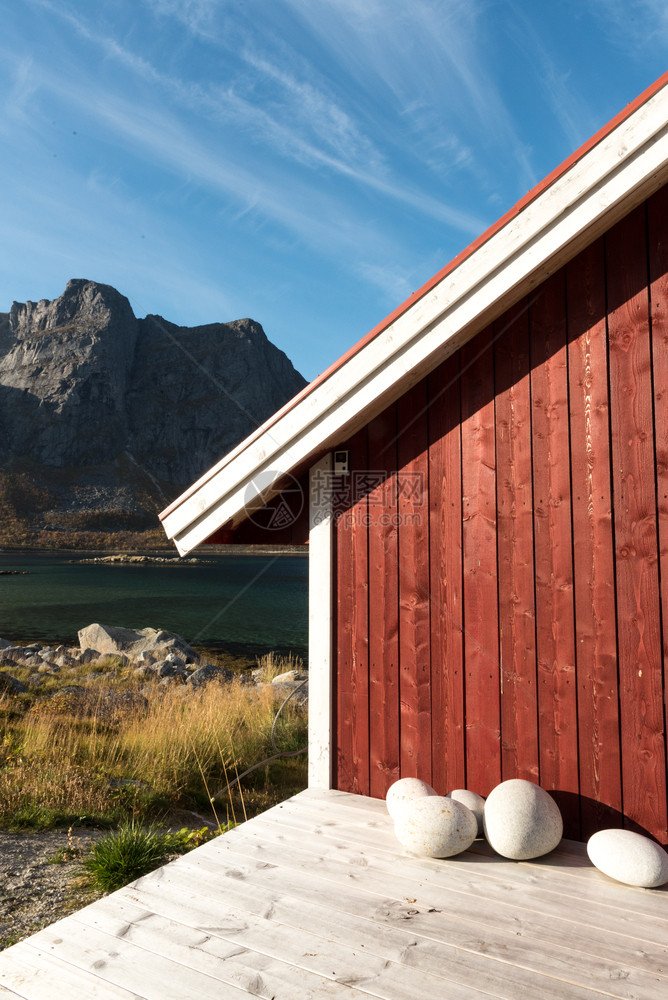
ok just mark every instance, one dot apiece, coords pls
pixel 156 656
pixel 126 559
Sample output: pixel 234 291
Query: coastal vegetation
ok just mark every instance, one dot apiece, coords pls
pixel 30 519
pixel 169 758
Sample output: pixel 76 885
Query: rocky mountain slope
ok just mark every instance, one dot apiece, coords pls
pixel 105 418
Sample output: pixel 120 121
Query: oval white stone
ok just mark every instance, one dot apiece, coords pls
pixel 472 801
pixel 405 790
pixel 629 857
pixel 521 820
pixel 435 827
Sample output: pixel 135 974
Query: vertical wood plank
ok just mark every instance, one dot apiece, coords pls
pixel 384 708
pixel 517 617
pixel 352 624
pixel 639 628
pixel 593 544
pixel 481 640
pixel 555 631
pixel 445 543
pixel 414 645
pixel 657 210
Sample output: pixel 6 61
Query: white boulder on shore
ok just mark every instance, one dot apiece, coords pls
pixel 111 640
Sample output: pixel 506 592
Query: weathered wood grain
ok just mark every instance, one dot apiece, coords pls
pixel 414 604
pixel 445 567
pixel 315 899
pixel 635 518
pixel 481 638
pixel 352 671
pixel 517 612
pixel 555 625
pixel 593 544
pixel 657 216
pixel 46 977
pixel 384 705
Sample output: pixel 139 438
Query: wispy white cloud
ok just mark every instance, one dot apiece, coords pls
pixel 358 143
pixel 390 278
pixel 198 16
pixel 627 21
pixel 22 88
pixel 308 105
pixel 554 81
pixel 311 129
pixel 429 53
pixel 317 218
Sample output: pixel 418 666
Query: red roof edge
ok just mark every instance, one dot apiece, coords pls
pixel 455 262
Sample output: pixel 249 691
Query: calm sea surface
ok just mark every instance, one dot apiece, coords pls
pixel 239 604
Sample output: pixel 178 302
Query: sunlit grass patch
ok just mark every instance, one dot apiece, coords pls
pixel 90 758
pixel 272 665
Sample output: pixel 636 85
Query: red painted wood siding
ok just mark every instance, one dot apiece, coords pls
pixel 501 579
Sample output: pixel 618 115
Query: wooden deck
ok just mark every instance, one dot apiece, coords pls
pixel 315 899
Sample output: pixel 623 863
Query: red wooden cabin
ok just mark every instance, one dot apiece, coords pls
pixel 489 579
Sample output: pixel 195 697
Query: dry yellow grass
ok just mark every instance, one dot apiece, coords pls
pixel 68 757
pixel 271 664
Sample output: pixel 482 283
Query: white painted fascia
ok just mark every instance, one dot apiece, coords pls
pixel 619 172
pixel 320 638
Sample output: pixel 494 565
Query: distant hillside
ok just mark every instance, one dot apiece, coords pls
pixel 105 418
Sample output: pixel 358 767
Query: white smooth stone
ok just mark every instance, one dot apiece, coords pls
pixel 405 790
pixel 472 801
pixel 435 827
pixel 629 857
pixel 521 820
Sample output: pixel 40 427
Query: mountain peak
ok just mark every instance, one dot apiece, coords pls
pixel 83 383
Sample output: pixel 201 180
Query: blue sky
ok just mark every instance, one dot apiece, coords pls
pixel 308 163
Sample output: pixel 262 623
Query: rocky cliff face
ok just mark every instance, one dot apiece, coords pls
pixel 101 411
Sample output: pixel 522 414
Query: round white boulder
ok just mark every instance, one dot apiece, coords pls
pixel 629 857
pixel 405 790
pixel 472 801
pixel 521 820
pixel 435 827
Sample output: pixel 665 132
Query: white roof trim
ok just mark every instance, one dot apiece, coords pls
pixel 603 185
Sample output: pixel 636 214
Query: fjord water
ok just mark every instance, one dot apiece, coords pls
pixel 238 604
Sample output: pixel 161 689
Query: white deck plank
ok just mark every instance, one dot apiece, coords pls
pixel 560 925
pixel 396 945
pixel 460 875
pixel 555 947
pixel 310 942
pixel 423 938
pixel 47 977
pixel 315 899
pixel 121 963
pixel 208 952
pixel 553 870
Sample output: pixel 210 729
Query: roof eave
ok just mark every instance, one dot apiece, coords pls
pixel 600 187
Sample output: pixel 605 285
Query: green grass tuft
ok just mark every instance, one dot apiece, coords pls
pixel 133 851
